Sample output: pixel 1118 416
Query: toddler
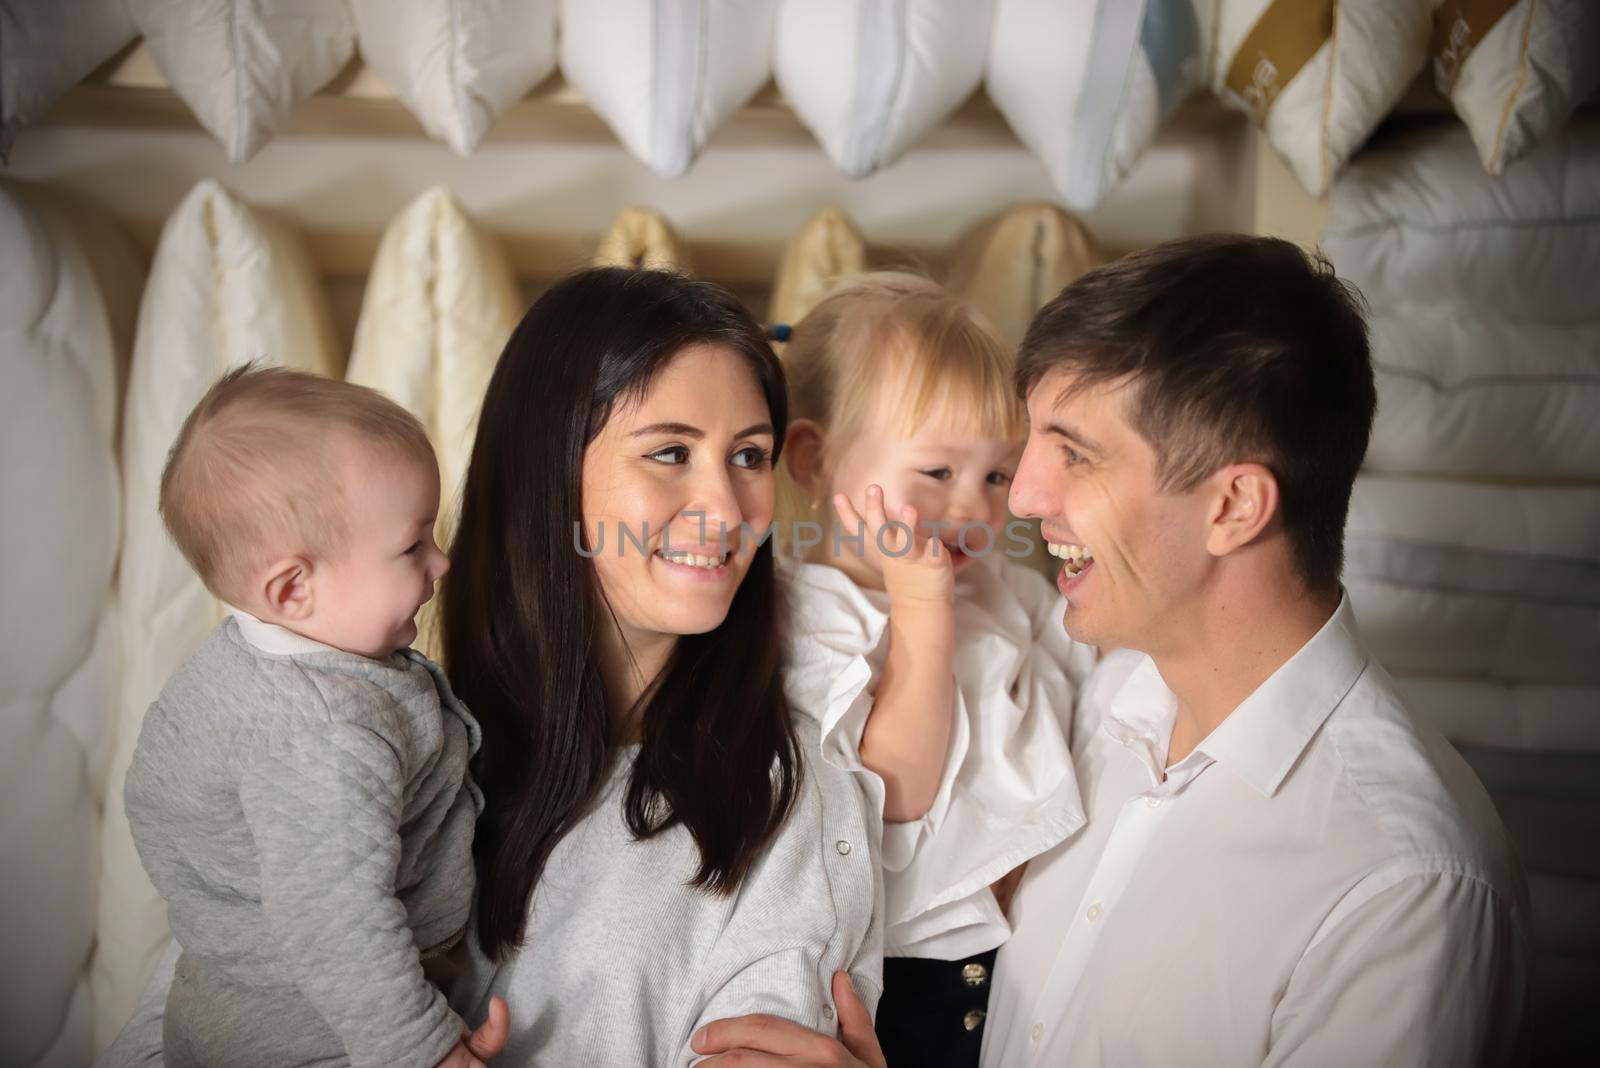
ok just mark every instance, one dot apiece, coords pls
pixel 932 659
pixel 299 793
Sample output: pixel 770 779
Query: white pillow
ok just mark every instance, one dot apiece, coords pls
pixel 640 237
pixel 62 376
pixel 1477 581
pixel 868 78
pixel 1087 83
pixel 1516 69
pixel 664 74
pixel 1012 264
pixel 1485 319
pixel 458 63
pixel 228 284
pixel 47 48
pixel 1318 78
pixel 440 303
pixel 243 66
pixel 827 249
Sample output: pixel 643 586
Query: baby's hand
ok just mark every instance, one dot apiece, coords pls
pixel 484 1044
pixel 921 572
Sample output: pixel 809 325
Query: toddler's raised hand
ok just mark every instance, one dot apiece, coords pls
pixel 916 566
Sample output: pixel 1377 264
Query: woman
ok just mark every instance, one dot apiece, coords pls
pixel 657 850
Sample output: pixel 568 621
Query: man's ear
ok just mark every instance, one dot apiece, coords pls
pixel 1244 500
pixel 287 589
pixel 804 452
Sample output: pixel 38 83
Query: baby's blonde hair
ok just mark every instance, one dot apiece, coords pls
pixel 254 471
pixel 897 323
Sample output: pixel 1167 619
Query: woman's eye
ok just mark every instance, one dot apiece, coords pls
pixel 998 478
pixel 940 473
pixel 415 547
pixel 752 458
pixel 679 451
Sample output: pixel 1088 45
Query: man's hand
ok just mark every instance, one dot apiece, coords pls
pixel 481 1046
pixel 752 1041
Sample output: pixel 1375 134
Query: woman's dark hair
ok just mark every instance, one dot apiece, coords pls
pixel 523 611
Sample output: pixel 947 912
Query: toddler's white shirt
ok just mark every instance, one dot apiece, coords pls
pixel 1008 791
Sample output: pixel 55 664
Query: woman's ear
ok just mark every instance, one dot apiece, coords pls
pixel 287 590
pixel 804 449
pixel 1244 502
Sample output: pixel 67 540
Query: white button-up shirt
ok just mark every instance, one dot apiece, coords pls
pixel 1322 881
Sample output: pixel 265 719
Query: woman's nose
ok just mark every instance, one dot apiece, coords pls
pixel 716 506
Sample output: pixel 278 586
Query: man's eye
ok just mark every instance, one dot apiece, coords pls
pixel 1073 455
pixel 940 473
pixel 678 451
pixel 753 458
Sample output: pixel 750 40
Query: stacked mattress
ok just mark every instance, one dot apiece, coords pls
pixel 1473 547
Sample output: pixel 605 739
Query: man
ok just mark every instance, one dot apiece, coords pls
pixel 1280 865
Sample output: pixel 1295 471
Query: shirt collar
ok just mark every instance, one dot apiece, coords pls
pixel 1266 734
pixel 271 638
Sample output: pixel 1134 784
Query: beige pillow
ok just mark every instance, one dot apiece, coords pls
pixel 640 237
pixel 827 249
pixel 1010 265
pixel 440 303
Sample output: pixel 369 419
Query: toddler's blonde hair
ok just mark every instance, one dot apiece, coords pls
pixel 255 471
pixel 902 331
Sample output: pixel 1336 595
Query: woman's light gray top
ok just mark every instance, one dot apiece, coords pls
pixel 622 960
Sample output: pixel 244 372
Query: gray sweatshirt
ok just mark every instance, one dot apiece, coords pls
pixel 308 817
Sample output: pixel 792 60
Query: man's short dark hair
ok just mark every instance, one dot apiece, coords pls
pixel 1239 349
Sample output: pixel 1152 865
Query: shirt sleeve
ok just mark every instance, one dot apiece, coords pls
pixel 139 1043
pixel 1430 971
pixel 325 810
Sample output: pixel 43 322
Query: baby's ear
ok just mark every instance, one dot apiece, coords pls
pixel 287 589
pixel 803 453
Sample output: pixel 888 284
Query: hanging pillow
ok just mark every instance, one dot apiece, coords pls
pixel 664 74
pixel 1515 69
pixel 228 285
pixel 1014 263
pixel 641 238
pixel 440 303
pixel 869 77
pixel 457 64
pixel 65 363
pixel 47 48
pixel 1087 83
pixel 827 249
pixel 243 66
pixel 1317 76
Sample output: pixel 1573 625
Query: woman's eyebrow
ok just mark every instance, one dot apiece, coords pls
pixel 695 432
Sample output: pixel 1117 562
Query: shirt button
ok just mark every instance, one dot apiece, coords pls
pixel 974 975
pixel 827 1013
pixel 1095 912
pixel 1153 802
pixel 972 1019
pixel 843 847
pixel 1037 1033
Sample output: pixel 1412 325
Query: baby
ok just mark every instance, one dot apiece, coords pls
pixel 932 660
pixel 299 793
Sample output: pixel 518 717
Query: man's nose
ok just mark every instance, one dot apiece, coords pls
pixel 1031 496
